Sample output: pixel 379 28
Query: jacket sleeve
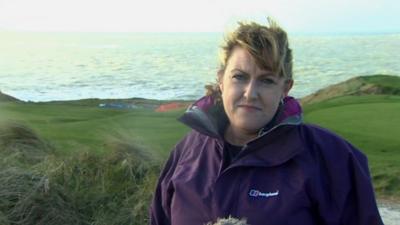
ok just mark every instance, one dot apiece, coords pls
pixel 161 204
pixel 343 191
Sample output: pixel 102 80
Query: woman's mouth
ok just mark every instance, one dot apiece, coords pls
pixel 249 107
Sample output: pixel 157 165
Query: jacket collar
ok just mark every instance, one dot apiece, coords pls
pixel 206 117
pixel 275 144
pixel 209 118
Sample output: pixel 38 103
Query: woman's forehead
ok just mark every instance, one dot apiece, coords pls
pixel 241 59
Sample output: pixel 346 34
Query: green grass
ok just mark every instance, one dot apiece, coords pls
pixel 75 128
pixel 80 164
pixel 371 123
pixel 383 80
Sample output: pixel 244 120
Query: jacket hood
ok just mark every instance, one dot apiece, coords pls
pixel 209 118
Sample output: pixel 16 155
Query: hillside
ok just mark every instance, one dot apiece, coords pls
pixel 7 98
pixel 362 85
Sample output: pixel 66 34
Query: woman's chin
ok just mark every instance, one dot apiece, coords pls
pixel 249 127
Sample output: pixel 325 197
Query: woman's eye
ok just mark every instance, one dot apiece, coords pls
pixel 267 81
pixel 239 77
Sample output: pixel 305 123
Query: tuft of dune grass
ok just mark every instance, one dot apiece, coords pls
pixel 113 188
pixel 22 143
pixel 3 219
pixel 28 198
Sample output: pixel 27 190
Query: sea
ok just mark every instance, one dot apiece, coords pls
pixel 170 66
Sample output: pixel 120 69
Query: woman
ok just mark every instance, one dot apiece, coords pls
pixel 250 156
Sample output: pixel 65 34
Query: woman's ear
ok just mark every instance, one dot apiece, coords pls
pixel 288 86
pixel 220 78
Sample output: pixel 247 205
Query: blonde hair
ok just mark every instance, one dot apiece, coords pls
pixel 268 45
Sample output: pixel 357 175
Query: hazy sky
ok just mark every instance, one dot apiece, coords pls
pixel 198 15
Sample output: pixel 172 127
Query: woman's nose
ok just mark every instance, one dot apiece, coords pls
pixel 251 90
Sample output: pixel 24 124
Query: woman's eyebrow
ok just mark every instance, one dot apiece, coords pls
pixel 239 70
pixel 264 73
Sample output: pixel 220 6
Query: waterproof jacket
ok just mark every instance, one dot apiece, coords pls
pixel 292 173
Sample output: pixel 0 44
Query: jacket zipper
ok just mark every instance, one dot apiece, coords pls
pixel 246 146
pixel 237 188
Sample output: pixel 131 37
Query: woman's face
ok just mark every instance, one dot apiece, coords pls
pixel 250 95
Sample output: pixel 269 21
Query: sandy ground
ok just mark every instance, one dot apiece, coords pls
pixel 390 212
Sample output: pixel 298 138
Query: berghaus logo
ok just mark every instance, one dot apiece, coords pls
pixel 257 193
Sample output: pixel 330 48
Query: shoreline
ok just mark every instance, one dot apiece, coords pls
pixel 378 84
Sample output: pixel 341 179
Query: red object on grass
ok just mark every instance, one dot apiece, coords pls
pixel 170 106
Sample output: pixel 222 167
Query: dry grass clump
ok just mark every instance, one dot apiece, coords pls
pixel 22 143
pixel 113 188
pixel 28 198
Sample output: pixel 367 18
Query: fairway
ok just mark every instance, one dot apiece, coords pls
pixel 73 128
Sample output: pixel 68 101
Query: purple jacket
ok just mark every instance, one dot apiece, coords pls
pixel 291 174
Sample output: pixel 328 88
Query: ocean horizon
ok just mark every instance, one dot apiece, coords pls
pixel 170 66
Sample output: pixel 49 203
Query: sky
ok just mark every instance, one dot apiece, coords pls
pixel 323 16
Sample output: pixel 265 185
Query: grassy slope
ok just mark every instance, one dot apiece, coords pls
pixel 389 82
pixel 7 98
pixel 76 128
pixel 363 85
pixel 372 124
